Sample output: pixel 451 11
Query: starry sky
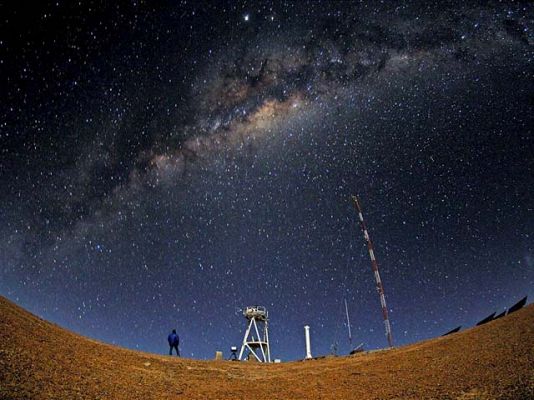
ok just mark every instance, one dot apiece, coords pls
pixel 165 164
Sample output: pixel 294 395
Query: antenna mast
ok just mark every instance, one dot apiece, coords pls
pixel 374 265
pixel 348 322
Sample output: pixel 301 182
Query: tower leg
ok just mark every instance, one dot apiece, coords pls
pixel 245 340
pixel 267 341
pixel 259 339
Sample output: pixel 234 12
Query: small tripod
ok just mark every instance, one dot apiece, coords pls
pixel 233 356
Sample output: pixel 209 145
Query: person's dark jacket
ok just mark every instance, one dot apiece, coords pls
pixel 173 339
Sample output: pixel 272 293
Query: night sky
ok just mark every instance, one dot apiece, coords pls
pixel 165 164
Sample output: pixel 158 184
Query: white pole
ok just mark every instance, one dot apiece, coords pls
pixel 308 346
pixel 348 323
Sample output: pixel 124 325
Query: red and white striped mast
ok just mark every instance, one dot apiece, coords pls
pixel 374 265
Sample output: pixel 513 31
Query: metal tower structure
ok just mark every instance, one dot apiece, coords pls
pixel 258 323
pixel 374 265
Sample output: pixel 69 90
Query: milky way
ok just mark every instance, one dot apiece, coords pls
pixel 164 166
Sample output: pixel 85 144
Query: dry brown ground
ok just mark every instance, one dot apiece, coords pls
pixel 488 362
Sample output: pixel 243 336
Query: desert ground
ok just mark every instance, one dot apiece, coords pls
pixel 493 361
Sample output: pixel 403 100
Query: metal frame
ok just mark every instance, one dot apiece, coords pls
pixel 257 318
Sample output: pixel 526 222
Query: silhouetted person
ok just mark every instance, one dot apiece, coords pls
pixel 174 341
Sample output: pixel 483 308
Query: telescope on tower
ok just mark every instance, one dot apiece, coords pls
pixel 256 340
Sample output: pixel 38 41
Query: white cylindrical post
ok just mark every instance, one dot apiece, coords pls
pixel 308 345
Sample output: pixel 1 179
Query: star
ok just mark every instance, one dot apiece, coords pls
pixel 208 164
